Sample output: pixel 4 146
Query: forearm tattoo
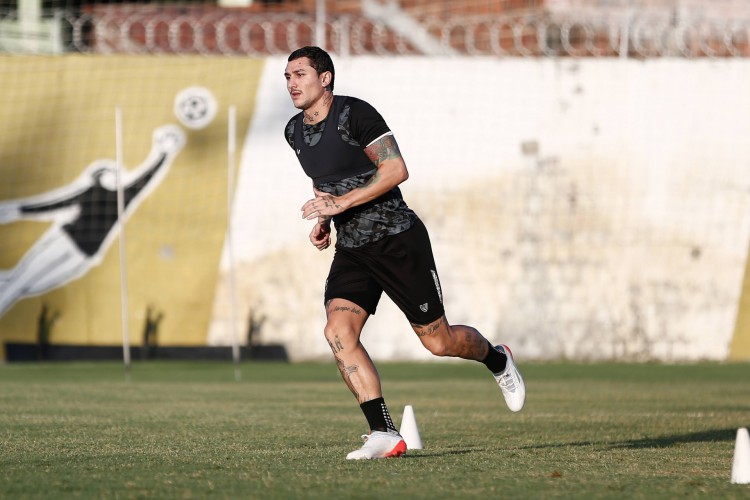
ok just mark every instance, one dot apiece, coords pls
pixel 383 149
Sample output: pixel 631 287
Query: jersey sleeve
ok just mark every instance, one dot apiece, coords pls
pixel 289 131
pixel 366 123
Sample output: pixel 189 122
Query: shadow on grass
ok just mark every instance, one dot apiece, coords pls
pixel 710 436
pixel 651 442
pixel 444 453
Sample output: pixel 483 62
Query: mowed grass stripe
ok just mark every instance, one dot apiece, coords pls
pixel 189 430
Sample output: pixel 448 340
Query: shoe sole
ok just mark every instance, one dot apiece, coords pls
pixel 397 451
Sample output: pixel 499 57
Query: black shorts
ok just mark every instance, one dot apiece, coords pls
pixel 402 266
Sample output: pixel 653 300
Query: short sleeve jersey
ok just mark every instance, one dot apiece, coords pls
pixel 332 155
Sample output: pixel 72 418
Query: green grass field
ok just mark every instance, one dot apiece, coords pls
pixel 190 430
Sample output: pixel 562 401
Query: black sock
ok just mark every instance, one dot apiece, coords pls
pixel 494 360
pixel 376 413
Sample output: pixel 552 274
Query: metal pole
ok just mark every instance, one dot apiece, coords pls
pixel 121 221
pixel 320 24
pixel 625 35
pixel 231 149
pixel 29 22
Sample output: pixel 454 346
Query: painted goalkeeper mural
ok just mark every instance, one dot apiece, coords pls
pixel 84 217
pixel 59 226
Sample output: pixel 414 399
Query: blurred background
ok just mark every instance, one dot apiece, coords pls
pixel 581 165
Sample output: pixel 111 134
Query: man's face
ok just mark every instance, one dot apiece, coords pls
pixel 303 83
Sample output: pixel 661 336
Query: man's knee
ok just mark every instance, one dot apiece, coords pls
pixel 341 336
pixel 437 337
pixel 438 347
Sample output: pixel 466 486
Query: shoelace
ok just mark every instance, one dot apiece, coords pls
pixel 508 382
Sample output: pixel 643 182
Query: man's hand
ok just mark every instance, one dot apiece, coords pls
pixel 320 236
pixel 323 205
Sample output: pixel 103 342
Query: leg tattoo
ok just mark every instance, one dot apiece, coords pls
pixel 336 345
pixel 426 330
pixel 474 346
pixel 346 372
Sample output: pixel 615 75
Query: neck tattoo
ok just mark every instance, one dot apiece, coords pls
pixel 314 116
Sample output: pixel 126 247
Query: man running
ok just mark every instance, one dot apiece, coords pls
pixel 346 148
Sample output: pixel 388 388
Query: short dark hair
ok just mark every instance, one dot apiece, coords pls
pixel 319 60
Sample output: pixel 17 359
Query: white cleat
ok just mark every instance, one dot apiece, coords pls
pixel 379 444
pixel 510 381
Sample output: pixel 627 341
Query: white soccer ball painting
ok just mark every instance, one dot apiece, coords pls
pixel 195 107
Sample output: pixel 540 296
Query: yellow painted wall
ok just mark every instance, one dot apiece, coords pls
pixel 58 117
pixel 739 349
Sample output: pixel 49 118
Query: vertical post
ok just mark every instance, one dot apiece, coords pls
pixel 29 22
pixel 231 153
pixel 320 24
pixel 29 11
pixel 625 35
pixel 345 43
pixel 121 222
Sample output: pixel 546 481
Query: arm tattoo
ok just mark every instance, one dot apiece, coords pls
pixel 375 178
pixel 383 149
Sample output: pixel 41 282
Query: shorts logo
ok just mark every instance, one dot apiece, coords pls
pixel 424 307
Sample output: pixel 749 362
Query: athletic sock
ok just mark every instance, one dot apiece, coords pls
pixel 376 413
pixel 494 360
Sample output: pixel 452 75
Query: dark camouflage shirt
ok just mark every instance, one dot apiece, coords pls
pixel 372 221
pixel 359 123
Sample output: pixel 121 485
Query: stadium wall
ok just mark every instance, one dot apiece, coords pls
pixel 579 209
